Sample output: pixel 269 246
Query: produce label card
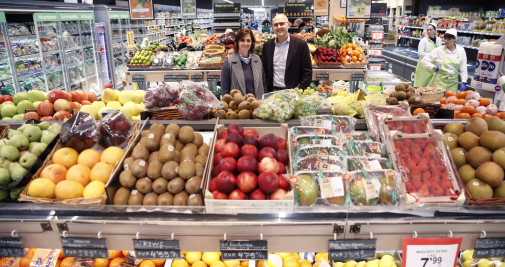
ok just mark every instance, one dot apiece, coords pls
pixel 430 252
pixel 331 187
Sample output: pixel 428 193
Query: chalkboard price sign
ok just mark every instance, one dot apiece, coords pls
pixel 244 250
pixel 322 76
pixel 85 247
pixel 157 249
pixel 358 77
pixel 11 247
pixel 138 78
pixel 197 78
pixel 351 249
pixel 489 248
pixel 212 77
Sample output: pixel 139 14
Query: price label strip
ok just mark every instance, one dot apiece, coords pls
pixel 211 77
pixel 357 249
pixel 358 76
pixel 11 247
pixel 175 78
pixel 157 249
pixel 197 78
pixel 244 250
pixel 138 78
pixel 322 76
pixel 489 248
pixel 85 247
pixel 430 252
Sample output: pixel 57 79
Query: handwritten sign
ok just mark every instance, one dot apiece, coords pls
pixel 351 249
pixel 212 77
pixel 157 249
pixel 489 248
pixel 138 78
pixel 11 247
pixel 322 76
pixel 244 250
pixel 85 247
pixel 197 78
pixel 358 77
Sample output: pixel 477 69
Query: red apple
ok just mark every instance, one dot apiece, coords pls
pixel 31 116
pixel 68 96
pixel 235 128
pixel 234 137
pixel 249 150
pixel 247 164
pixel 91 97
pixel 281 143
pixel 219 195
pixel 45 108
pixel 228 164
pixel 268 164
pixel 215 171
pixel 47 118
pixel 284 183
pixel 219 145
pixel 62 104
pixel 75 105
pixel 267 152
pixel 269 140
pixel 282 155
pixel 230 150
pixel 212 185
pixel 217 158
pixel 257 195
pixel 268 182
pixel 85 102
pixel 225 182
pixel 237 195
pixel 61 115
pixel 251 140
pixel 251 132
pixel 247 181
pixel 278 194
pixel 56 94
pixel 223 135
pixel 7 98
pixel 282 168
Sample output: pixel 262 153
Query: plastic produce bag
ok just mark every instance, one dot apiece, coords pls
pixel 356 163
pixel 196 101
pixel 162 95
pixel 80 132
pixel 359 107
pixel 280 106
pixel 300 130
pixel 365 149
pixel 115 128
pixel 193 58
pixel 358 136
pixel 340 124
pixel 371 188
pixel 333 188
pixel 317 163
pixel 322 151
pixel 343 109
pixel 310 105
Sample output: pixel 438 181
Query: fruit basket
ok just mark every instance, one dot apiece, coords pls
pixel 355 64
pixel 211 64
pixel 4 128
pixel 167 113
pixel 332 58
pixel 431 108
pixel 98 200
pixel 138 66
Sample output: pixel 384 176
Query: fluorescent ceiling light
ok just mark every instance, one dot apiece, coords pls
pixel 228 1
pixel 262 2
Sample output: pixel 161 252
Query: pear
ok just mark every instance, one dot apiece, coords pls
pixel 28 160
pixel 22 127
pixel 17 171
pixel 5 176
pixel 33 133
pixel 16 191
pixel 10 153
pixel 55 128
pixel 5 164
pixel 44 125
pixel 12 132
pixel 37 148
pixel 48 137
pixel 3 142
pixel 19 141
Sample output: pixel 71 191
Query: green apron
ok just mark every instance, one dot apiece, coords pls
pixel 423 75
pixel 447 76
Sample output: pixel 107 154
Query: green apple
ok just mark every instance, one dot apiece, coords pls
pixel 28 160
pixel 7 119
pixel 5 164
pixel 3 142
pixel 5 176
pixel 9 152
pixel 12 132
pixel 37 148
pixel 44 125
pixel 33 133
pixel 16 191
pixel 47 137
pixel 20 97
pixel 19 141
pixel 18 117
pixel 22 106
pixel 22 127
pixel 36 104
pixel 17 171
pixel 8 111
pixel 36 95
pixel 55 128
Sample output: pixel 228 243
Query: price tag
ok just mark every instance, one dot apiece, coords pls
pixel 358 77
pixel 197 78
pixel 375 67
pixel 85 247
pixel 430 252
pixel 170 78
pixel 489 248
pixel 157 249
pixel 212 77
pixel 322 76
pixel 244 250
pixel 351 249
pixel 138 78
pixel 11 247
pixel 377 36
pixel 375 52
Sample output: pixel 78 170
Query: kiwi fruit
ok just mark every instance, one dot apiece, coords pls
pixel 186 169
pixel 150 199
pixel 128 162
pixel 405 85
pixel 126 179
pixel 154 169
pixel 172 128
pixel 391 101
pixel 181 199
pixel 153 141
pixel 140 152
pixel 244 106
pixel 175 185
pixel 199 169
pixel 165 199
pixel 232 106
pixel 160 185
pixel 154 156
pixel 144 134
pixel 178 145
pixel 195 200
pixel 170 170
pixel 238 98
pixel 177 156
pixel 144 185
pixel 186 134
pixel 244 114
pixel 227 98
pixel 187 154
pixel 135 198
pixel 157 128
pixel 247 96
pixel 193 185
pixel 235 91
pixel 143 141
pixel 204 149
pixel 220 114
pixel 411 89
pixel 201 159
pixel 231 115
pixel 400 88
pixel 121 197
pixel 139 168
pixel 255 104
pixel 191 147
pixel 198 140
pixel 224 105
pixel 167 138
pixel 250 99
pixel 167 153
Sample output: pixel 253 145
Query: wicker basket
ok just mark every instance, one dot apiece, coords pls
pixel 431 97
pixel 211 65
pixel 99 200
pixel 168 113
pixel 4 129
pixel 355 64
pixel 327 64
pixel 430 108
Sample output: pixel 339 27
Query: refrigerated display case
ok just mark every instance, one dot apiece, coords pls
pixel 6 79
pixel 120 23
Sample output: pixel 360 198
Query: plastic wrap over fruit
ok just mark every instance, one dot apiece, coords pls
pixel 311 105
pixel 80 132
pixel 279 106
pixel 196 101
pixel 373 114
pixel 372 188
pixel 304 140
pixel 365 149
pixel 357 163
pixel 321 188
pixel 340 124
pixel 163 95
pixel 317 163
pixel 358 136
pixel 115 128
pixel 322 151
pixel 468 260
pixel 299 130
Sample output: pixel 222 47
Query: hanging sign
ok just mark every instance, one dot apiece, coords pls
pixel 349 249
pixel 489 248
pixel 85 247
pixel 430 252
pixel 11 247
pixel 157 249
pixel 358 9
pixel 119 15
pixel 2 17
pixel 188 8
pixel 321 7
pixel 76 16
pixel 141 9
pixel 244 250
pixel 46 17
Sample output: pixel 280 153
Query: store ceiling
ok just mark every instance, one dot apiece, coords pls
pixel 256 3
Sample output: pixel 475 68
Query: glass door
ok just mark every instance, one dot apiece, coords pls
pixel 6 77
pixel 91 56
pixel 73 55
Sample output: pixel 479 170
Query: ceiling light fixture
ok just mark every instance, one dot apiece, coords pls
pixel 262 2
pixel 228 1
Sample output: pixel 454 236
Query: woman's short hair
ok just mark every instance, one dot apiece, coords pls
pixel 240 35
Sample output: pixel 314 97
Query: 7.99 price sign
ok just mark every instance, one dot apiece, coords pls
pixel 430 252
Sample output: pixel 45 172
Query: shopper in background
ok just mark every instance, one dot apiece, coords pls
pixel 426 45
pixel 286 59
pixel 448 61
pixel 243 70
pixel 300 25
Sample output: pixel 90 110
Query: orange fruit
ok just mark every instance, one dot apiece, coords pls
pixel 88 157
pixel 484 102
pixel 68 189
pixel 116 262
pixel 65 156
pixel 42 188
pixel 500 115
pixel 158 262
pixel 442 100
pixel 449 93
pixel 354 58
pixel 55 172
pixel 468 109
pixel 25 262
pixel 486 115
pixel 200 264
pixel 460 95
pixel 305 263
pixel 243 264
pixel 100 262
pixel 418 111
pixel 461 101
pixel 464 115
pixel 101 172
pixel 61 255
pixel 125 253
pixel 354 46
pixel 79 173
pixel 112 155
pixel 454 101
pixel 149 263
pixel 443 106
pixel 476 114
pixel 4 262
pixel 67 262
pixel 115 254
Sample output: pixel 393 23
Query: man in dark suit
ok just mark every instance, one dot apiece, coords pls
pixel 286 59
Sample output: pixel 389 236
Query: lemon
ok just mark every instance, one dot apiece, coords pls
pixel 41 187
pixel 199 264
pixel 180 263
pixel 94 189
pixel 210 257
pixel 217 264
pixel 283 255
pixel 467 263
pixel 361 264
pixel 484 263
pixel 338 264
pixel 467 255
pixel 350 263
pixel 321 256
pixel 232 263
pixel 305 263
pixel 192 257
pixel 291 262
pixel 372 264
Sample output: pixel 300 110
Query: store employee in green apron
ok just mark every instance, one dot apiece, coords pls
pixel 426 45
pixel 448 61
